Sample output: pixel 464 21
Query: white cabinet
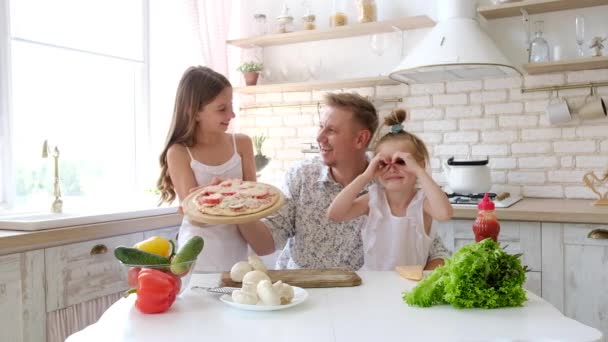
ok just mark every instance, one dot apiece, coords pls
pixel 575 272
pixel 83 271
pixel 517 237
pixel 22 306
pixel 168 233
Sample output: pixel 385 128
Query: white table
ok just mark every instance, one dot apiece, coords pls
pixel 368 312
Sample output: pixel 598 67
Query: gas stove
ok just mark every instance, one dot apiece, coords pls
pixel 502 200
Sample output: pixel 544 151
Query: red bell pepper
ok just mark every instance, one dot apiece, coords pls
pixel 156 291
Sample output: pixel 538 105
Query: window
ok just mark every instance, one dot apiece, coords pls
pixel 78 77
pixel 97 78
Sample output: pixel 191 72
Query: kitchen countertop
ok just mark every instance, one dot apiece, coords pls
pixel 528 209
pixel 368 312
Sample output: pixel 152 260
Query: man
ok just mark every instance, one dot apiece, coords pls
pixel 308 239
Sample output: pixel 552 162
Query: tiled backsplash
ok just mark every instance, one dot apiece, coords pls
pixel 528 155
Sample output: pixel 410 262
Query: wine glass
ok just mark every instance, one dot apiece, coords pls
pixel 580 34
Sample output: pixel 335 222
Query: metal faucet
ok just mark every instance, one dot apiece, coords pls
pixel 57 206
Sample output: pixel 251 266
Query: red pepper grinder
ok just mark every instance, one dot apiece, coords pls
pixel 486 224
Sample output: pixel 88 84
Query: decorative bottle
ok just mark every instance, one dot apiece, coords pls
pixel 486 224
pixel 539 48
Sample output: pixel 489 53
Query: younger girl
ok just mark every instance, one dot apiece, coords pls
pixel 398 230
pixel 199 149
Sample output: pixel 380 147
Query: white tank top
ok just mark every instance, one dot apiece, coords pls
pixel 224 245
pixel 389 240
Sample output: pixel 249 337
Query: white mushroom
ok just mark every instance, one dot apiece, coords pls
pixel 257 263
pixel 285 291
pixel 267 293
pixel 238 271
pixel 244 297
pixel 254 277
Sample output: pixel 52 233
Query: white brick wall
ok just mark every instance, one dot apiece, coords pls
pixel 492 117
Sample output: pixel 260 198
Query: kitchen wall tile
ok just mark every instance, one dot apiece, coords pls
pixel 585 76
pixel 503 163
pixel 528 155
pixel 563 176
pixel 488 96
pixel 427 89
pixel 502 83
pixel 574 146
pixel 591 161
pixel 531 148
pixel 440 125
pixel 537 162
pixel 501 136
pixel 504 108
pixel 544 80
pixel 477 123
pixel 464 86
pixel 521 121
pixel 460 137
pixel 417 101
pixel 541 134
pixel 453 112
pixel 526 177
pixel 426 114
pixel 399 90
pixel 456 99
pixel 490 150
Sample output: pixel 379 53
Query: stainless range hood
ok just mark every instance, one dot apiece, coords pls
pixel 456 49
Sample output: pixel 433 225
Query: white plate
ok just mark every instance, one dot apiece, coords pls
pixel 299 296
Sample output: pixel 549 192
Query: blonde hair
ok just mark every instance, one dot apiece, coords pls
pixel 395 122
pixel 363 110
pixel 198 87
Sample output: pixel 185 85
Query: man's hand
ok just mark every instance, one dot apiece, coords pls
pixel 214 181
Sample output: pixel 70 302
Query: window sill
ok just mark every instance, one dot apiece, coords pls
pixel 32 221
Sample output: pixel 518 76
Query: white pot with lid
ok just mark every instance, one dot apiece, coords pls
pixel 468 176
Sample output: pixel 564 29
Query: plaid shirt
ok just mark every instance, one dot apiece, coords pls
pixel 301 229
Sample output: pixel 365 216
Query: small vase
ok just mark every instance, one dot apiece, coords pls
pixel 260 162
pixel 251 78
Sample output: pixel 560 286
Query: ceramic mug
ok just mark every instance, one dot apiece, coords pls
pixel 596 108
pixel 557 111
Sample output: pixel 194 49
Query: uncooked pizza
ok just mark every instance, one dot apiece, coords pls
pixel 235 197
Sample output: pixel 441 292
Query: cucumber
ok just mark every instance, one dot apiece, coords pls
pixel 133 256
pixel 188 252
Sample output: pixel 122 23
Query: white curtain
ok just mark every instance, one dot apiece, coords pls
pixel 211 24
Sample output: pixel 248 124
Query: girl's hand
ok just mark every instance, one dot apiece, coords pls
pixel 405 162
pixel 377 166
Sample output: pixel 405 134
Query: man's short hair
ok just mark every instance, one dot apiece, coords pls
pixel 363 110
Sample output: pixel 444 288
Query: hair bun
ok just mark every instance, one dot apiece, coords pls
pixel 396 117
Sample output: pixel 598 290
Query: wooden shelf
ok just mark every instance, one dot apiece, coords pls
pixel 567 65
pixel 317 85
pixel 512 9
pixel 409 23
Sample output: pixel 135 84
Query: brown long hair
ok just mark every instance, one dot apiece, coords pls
pixel 396 119
pixel 198 87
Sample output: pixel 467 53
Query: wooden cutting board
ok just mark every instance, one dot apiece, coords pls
pixel 306 278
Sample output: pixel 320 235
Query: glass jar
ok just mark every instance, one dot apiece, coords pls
pixel 338 14
pixel 539 48
pixel 285 21
pixel 309 22
pixel 260 26
pixel 368 11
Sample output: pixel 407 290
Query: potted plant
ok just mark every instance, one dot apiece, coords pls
pixel 260 159
pixel 251 71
